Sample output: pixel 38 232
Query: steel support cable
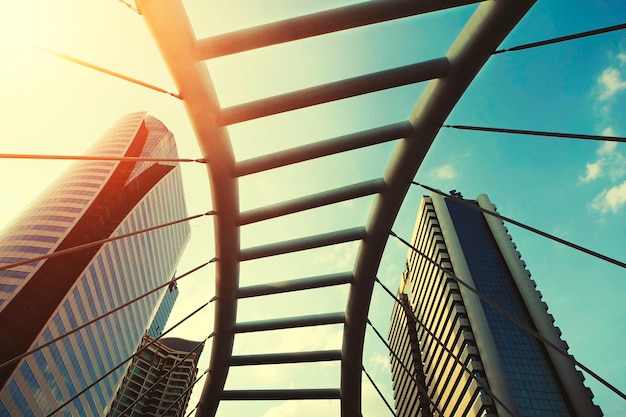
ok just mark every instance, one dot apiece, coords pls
pixel 538 133
pixel 130 6
pixel 447 350
pixel 97 381
pixel 382 397
pixel 184 393
pixel 97 158
pixel 508 315
pixel 525 227
pixel 108 72
pixel 420 388
pixel 101 241
pixel 116 309
pixel 563 38
pixel 165 375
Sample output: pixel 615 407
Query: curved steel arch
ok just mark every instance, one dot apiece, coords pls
pixel 183 53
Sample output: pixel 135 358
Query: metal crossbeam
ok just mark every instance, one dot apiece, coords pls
pixel 316 24
pixel 324 148
pixel 296 285
pixel 309 242
pixel 290 357
pixel 325 198
pixel 289 322
pixel 282 394
pixel 338 90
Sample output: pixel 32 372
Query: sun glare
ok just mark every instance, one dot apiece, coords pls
pixel 23 27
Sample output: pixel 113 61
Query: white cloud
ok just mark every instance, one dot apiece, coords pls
pixel 610 200
pixel 607 148
pixel 379 362
pixel 610 83
pixel 445 172
pixel 594 171
pixel 608 131
pixel 336 257
pixel 622 58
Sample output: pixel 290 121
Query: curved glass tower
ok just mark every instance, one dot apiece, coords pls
pixel 39 301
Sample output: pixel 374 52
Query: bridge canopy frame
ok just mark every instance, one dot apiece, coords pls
pixel 448 78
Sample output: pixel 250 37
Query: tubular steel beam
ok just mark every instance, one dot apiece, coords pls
pixel 296 285
pixel 290 322
pixel 309 242
pixel 339 90
pixel 315 24
pixel 172 32
pixel 283 394
pixel 288 357
pixel 324 148
pixel 486 29
pixel 325 198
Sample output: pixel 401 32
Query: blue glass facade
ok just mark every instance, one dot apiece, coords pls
pixel 163 313
pixel 533 384
pixel 43 300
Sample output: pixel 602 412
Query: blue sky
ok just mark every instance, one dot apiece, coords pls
pixel 573 189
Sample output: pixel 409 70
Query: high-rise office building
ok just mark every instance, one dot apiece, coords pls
pixel 159 380
pixel 528 377
pixel 92 201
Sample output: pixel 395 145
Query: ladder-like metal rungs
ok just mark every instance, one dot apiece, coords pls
pixel 283 394
pixel 308 202
pixel 328 21
pixel 309 242
pixel 338 90
pixel 286 357
pixel 296 285
pixel 323 148
pixel 290 322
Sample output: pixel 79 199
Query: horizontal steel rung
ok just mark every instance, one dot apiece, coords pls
pixel 296 285
pixel 287 357
pixel 290 322
pixel 283 394
pixel 315 24
pixel 309 242
pixel 383 80
pixel 324 148
pixel 337 195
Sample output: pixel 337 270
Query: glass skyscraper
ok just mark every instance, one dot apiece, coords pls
pixel 159 380
pixel 448 321
pixel 39 301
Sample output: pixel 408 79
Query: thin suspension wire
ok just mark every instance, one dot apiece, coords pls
pixel 526 227
pixel 165 375
pixel 97 158
pixel 446 349
pixel 107 71
pixel 192 410
pixel 101 241
pixel 97 381
pixel 184 393
pixel 518 322
pixel 563 38
pixel 393 413
pixel 130 6
pixel 538 133
pixel 420 388
pixel 116 309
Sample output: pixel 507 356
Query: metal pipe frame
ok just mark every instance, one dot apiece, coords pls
pixel 486 29
pixel 289 357
pixel 171 29
pixel 316 24
pixel 296 285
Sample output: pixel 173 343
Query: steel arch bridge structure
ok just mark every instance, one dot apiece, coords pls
pixel 447 77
